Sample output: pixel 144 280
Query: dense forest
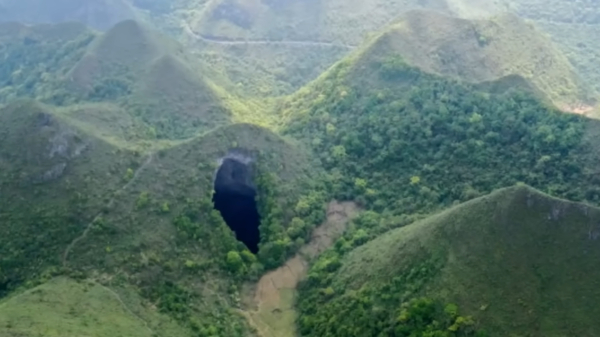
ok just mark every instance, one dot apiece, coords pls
pixel 439 142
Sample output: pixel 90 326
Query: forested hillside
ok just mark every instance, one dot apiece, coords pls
pixel 439 141
pixel 151 82
pixel 515 262
pixel 281 168
pixel 405 144
pixel 143 225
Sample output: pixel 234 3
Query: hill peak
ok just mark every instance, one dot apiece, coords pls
pixel 526 257
pixel 481 50
pixel 128 42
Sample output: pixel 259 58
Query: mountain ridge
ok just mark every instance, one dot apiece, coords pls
pixel 483 50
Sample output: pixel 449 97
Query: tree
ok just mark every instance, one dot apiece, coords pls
pixel 234 262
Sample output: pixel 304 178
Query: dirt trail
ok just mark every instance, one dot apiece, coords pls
pixel 188 30
pixel 271 300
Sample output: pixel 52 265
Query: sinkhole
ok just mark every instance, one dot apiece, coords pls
pixel 235 198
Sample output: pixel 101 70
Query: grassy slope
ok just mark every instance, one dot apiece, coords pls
pixel 482 50
pixel 55 178
pixel 527 258
pixel 63 307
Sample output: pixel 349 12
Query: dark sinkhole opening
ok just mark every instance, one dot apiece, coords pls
pixel 235 198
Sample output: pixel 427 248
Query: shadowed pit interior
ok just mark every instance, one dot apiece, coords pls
pixel 235 198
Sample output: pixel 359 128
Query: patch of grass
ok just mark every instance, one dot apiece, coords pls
pixel 64 307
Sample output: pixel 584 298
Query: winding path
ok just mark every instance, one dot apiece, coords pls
pixel 99 214
pixel 187 29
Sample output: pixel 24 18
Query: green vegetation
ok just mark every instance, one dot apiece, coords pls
pixel 186 260
pixel 265 69
pixel 110 144
pixel 336 21
pixel 130 85
pixel 500 265
pixel 440 141
pixel 55 179
pixel 573 26
pixel 283 233
pixel 482 50
pixel 63 307
pixel 36 64
pixel 154 82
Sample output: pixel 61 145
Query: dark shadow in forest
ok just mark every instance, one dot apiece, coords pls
pixel 235 198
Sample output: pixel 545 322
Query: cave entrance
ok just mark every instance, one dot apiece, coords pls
pixel 235 198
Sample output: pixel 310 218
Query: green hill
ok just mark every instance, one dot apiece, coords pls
pixel 405 144
pixel 272 48
pixel 145 76
pixel 515 262
pixel 76 205
pixel 482 50
pixel 267 69
pixel 437 141
pixel 573 25
pixel 326 29
pixel 54 179
pixel 37 60
pixel 163 235
pixel 569 24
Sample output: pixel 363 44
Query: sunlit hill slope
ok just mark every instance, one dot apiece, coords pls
pixel 517 261
pixel 482 50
